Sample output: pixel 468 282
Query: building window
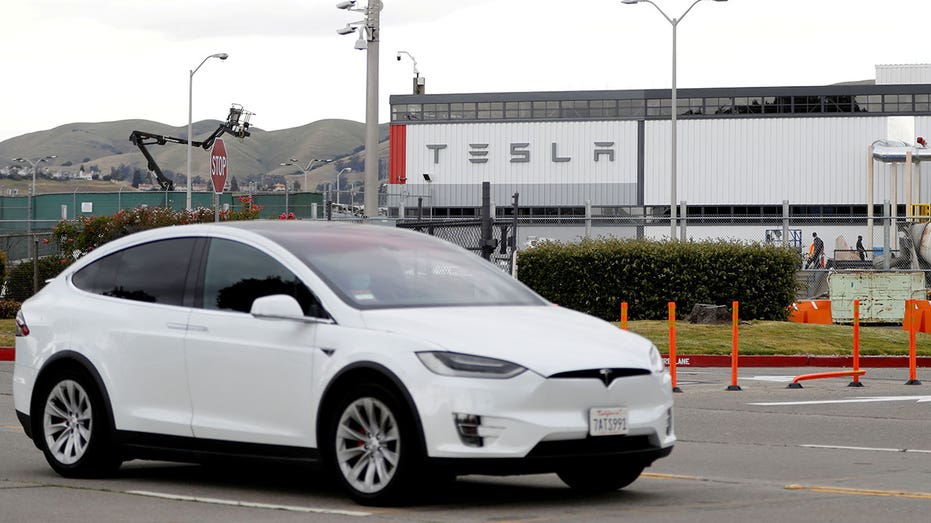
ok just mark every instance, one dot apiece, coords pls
pixel 517 109
pixel 546 110
pixel 574 109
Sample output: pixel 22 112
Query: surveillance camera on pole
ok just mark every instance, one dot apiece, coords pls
pixel 419 81
pixel 346 30
pixel 346 5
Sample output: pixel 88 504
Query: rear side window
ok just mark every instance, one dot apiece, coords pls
pixel 153 272
pixel 236 274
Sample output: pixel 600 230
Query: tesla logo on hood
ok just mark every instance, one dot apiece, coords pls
pixel 606 376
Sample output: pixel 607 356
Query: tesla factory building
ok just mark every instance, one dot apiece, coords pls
pixel 742 152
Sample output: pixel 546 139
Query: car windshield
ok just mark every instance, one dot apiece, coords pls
pixel 372 268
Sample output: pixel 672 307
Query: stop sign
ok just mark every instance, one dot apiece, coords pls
pixel 219 165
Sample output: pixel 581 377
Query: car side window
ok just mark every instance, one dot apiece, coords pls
pixel 237 274
pixel 152 272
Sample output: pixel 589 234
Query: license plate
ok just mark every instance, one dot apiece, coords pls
pixel 607 421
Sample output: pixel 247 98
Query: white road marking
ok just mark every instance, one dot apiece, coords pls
pixel 236 503
pixel 874 449
pixel 877 399
pixel 777 379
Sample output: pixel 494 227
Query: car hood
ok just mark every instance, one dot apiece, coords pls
pixel 545 339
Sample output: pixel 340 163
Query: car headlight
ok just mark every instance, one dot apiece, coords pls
pixel 656 360
pixel 468 366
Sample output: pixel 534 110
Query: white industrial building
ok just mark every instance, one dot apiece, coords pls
pixel 742 152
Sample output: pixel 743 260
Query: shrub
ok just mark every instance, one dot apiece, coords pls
pixel 19 283
pixel 595 276
pixel 78 237
pixel 8 309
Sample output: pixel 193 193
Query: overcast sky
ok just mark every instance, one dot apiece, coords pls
pixel 71 61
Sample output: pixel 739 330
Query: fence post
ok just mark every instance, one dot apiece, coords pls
pixel 487 242
pixel 672 346
pixel 735 315
pixel 624 315
pixel 887 217
pixel 35 264
pixel 683 217
pixel 785 223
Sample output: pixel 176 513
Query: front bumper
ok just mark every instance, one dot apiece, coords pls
pixel 531 419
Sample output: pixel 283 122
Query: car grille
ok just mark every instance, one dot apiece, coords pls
pixel 605 376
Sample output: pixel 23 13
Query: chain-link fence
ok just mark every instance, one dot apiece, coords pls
pixel 29 259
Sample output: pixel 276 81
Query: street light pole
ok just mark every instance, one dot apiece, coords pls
pixel 343 170
pixel 674 22
pixel 304 170
pixel 32 189
pixel 190 123
pixel 368 40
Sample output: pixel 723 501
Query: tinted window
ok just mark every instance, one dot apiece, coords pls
pixel 377 268
pixel 153 272
pixel 236 274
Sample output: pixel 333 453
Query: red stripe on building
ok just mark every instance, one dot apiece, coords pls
pixel 397 154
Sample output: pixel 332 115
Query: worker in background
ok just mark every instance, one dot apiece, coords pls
pixel 861 252
pixel 815 251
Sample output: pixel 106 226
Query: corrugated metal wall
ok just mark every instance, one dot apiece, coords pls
pixel 903 74
pixel 766 161
pixel 733 161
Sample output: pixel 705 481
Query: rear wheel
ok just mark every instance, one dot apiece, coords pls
pixel 74 430
pixel 600 477
pixel 373 446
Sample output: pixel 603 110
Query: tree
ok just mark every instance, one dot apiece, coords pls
pixel 234 185
pixel 137 178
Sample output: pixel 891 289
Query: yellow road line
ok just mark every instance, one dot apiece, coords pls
pixel 14 427
pixel 669 476
pixel 861 492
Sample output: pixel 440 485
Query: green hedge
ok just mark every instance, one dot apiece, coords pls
pixel 595 276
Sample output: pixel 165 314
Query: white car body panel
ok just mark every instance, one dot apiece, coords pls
pixel 250 378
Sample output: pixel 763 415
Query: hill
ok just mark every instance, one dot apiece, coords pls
pixel 106 145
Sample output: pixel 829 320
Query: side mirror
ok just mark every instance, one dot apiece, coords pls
pixel 280 306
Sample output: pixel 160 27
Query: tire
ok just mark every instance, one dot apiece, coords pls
pixel 72 426
pixel 373 447
pixel 600 477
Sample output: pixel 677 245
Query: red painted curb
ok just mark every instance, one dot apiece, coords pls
pixel 7 353
pixel 706 360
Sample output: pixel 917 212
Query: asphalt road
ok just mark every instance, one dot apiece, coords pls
pixel 827 452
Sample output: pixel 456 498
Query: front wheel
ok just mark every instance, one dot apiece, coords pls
pixel 600 477
pixel 373 446
pixel 74 429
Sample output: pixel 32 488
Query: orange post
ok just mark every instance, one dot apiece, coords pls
pixel 624 315
pixel 856 345
pixel 911 310
pixel 672 345
pixel 735 344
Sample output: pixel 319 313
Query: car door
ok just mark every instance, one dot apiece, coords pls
pixel 250 378
pixel 137 331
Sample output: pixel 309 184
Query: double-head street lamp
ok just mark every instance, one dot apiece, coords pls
pixel 32 190
pixel 368 40
pixel 338 176
pixel 674 109
pixel 304 170
pixel 190 123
